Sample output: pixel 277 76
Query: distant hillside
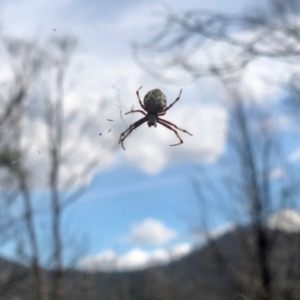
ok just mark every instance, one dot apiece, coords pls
pixel 226 268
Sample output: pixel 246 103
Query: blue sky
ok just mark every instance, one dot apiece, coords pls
pixel 140 205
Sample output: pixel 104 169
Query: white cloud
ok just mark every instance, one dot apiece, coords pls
pixel 286 220
pixel 104 261
pixel 218 232
pixel 294 156
pixel 180 250
pixel 108 71
pixel 134 259
pixel 207 123
pixel 137 259
pixel 200 237
pixel 260 85
pixel 78 149
pixel 150 232
pixel 103 61
pixel 277 173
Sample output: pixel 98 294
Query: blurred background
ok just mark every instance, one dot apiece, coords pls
pixel 217 217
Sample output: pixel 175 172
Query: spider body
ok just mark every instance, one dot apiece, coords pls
pixel 152 119
pixel 155 101
pixel 155 105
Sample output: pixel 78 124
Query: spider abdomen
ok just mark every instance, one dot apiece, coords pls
pixel 155 101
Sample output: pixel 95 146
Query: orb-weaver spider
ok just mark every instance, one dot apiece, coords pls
pixel 154 106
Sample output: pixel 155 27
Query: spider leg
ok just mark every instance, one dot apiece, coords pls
pixel 138 95
pixel 133 111
pixel 170 123
pixel 173 102
pixel 169 127
pixel 126 133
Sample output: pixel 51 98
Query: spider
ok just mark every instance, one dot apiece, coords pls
pixel 154 106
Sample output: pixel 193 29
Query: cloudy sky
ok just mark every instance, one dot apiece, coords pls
pixel 140 205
